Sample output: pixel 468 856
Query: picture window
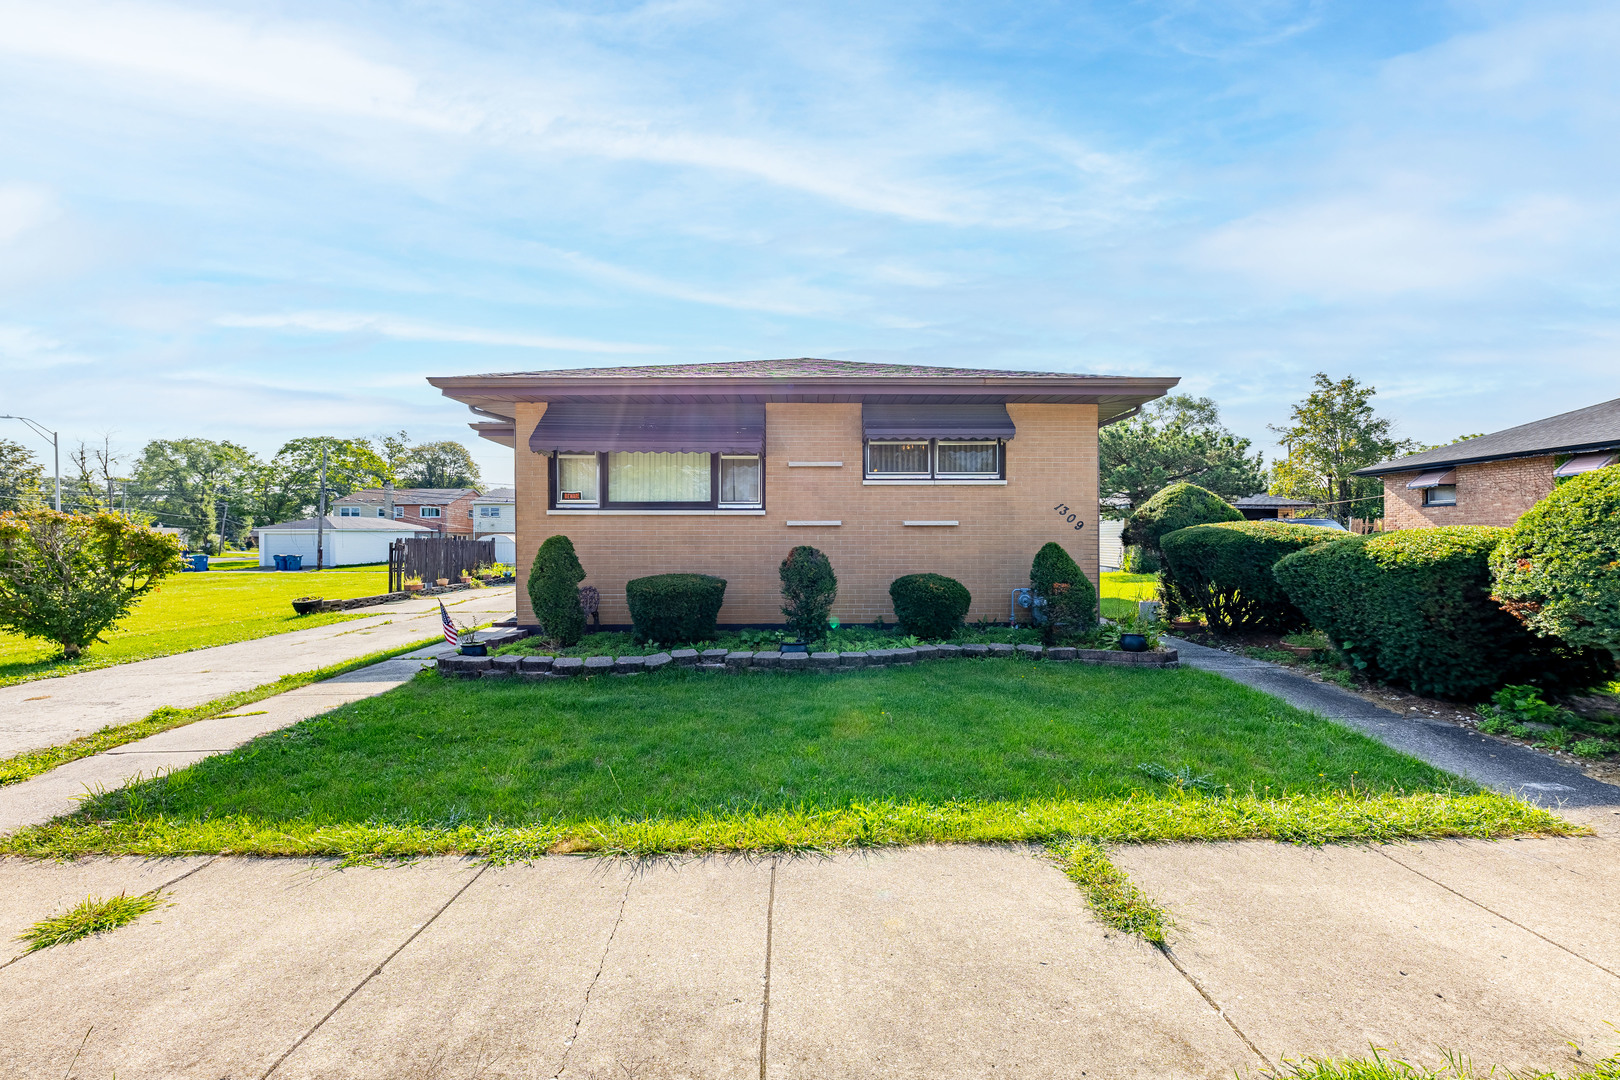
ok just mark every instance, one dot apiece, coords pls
pixel 1441 495
pixel 655 481
pixel 429 511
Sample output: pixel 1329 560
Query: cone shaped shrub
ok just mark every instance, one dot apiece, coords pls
pixel 809 588
pixel 1071 600
pixel 554 591
pixel 675 608
pixel 1224 571
pixel 1414 607
pixel 1178 506
pixel 1558 570
pixel 929 605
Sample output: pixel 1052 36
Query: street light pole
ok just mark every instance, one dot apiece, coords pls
pixel 56 449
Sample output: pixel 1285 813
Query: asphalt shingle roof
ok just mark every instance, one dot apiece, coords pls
pixel 408 496
pixel 802 368
pixel 352 524
pixel 1596 427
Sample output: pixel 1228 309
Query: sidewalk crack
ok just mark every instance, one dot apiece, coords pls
pixel 374 973
pixel 765 1006
pixel 1212 1003
pixel 601 966
pixel 1498 914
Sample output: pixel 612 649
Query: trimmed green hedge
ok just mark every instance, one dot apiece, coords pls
pixel 809 588
pixel 1224 571
pixel 554 591
pixel 1178 506
pixel 1071 599
pixel 1558 570
pixel 675 608
pixel 1414 607
pixel 929 605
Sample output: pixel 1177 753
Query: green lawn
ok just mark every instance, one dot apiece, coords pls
pixel 194 611
pixel 1121 591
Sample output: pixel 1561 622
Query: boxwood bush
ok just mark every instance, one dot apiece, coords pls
pixel 673 608
pixel 1178 506
pixel 554 591
pixel 1224 571
pixel 1414 607
pixel 929 605
pixel 1071 600
pixel 1558 570
pixel 809 588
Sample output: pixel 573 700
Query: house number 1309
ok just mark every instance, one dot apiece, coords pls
pixel 1073 518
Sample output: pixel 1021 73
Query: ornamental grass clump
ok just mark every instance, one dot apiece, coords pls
pixel 1178 506
pixel 554 591
pixel 809 588
pixel 69 578
pixel 1224 571
pixel 931 606
pixel 1070 600
pixel 1414 607
pixel 675 607
pixel 1558 570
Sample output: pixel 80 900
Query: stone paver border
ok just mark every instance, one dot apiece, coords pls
pixel 737 662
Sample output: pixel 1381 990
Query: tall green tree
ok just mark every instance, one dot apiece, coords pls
pixel 289 486
pixel 22 479
pixel 1330 435
pixel 1177 439
pixel 446 464
pixel 207 488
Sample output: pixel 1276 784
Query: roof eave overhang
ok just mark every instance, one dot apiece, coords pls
pixel 1116 397
pixel 1405 466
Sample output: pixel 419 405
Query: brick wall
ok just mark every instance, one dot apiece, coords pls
pixel 1491 493
pixel 1051 461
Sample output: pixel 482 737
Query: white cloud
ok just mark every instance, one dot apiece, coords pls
pixel 336 322
pixel 23 207
pixel 24 348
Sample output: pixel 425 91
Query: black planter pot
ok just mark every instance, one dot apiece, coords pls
pixel 305 607
pixel 475 649
pixel 1133 642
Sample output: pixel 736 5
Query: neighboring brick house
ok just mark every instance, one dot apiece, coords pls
pixel 495 511
pixel 1493 479
pixel 722 468
pixel 447 511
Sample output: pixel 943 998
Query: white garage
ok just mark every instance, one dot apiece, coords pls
pixel 350 541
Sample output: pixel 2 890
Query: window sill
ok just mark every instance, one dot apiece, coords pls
pixel 705 512
pixel 934 483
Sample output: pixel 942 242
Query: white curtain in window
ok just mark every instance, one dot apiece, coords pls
pixel 909 457
pixel 739 479
pixel 636 477
pixel 967 457
pixel 577 472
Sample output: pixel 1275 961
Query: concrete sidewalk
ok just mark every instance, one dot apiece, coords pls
pixel 48 712
pixel 930 962
pixel 1493 763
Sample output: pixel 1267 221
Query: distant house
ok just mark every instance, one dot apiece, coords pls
pixel 1266 507
pixel 495 511
pixel 1493 479
pixel 345 541
pixel 447 511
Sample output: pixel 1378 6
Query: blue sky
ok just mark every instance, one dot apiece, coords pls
pixel 255 221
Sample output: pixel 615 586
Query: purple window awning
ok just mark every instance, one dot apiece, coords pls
pixel 1582 463
pixel 605 427
pixel 890 421
pixel 1433 478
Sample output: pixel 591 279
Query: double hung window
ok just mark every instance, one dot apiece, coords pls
pixel 1440 495
pixel 648 480
pixel 935 459
pixel 348 511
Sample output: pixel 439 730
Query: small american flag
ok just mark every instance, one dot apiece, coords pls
pixel 450 634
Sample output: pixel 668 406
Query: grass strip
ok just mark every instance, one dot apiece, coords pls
pixel 1317 818
pixel 31 763
pixel 93 916
pixel 1114 898
pixel 1378 1066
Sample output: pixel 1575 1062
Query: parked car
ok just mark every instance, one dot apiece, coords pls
pixel 1321 523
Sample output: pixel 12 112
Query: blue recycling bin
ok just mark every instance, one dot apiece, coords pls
pixel 199 562
pixel 294 562
pixel 281 561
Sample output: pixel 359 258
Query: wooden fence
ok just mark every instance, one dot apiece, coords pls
pixel 434 557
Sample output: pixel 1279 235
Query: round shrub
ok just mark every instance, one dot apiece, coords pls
pixel 809 588
pixel 1414 607
pixel 1178 506
pixel 1071 600
pixel 1224 571
pixel 929 605
pixel 675 607
pixel 554 591
pixel 1558 569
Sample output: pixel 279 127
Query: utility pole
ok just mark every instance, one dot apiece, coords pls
pixel 56 449
pixel 320 519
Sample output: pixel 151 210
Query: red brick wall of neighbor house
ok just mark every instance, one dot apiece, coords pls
pixel 1490 493
pixel 1052 461
pixel 452 520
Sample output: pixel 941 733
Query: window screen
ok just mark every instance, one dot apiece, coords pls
pixel 739 481
pixel 576 479
pixel 967 459
pixel 658 478
pixel 900 459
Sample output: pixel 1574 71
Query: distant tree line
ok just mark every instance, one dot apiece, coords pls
pixel 217 491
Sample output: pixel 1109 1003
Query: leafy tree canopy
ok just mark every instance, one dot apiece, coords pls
pixel 1176 439
pixel 1330 435
pixel 446 464
pixel 290 486
pixel 204 487
pixel 22 479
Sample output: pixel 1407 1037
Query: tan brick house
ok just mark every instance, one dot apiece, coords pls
pixel 1493 479
pixel 722 468
pixel 447 511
